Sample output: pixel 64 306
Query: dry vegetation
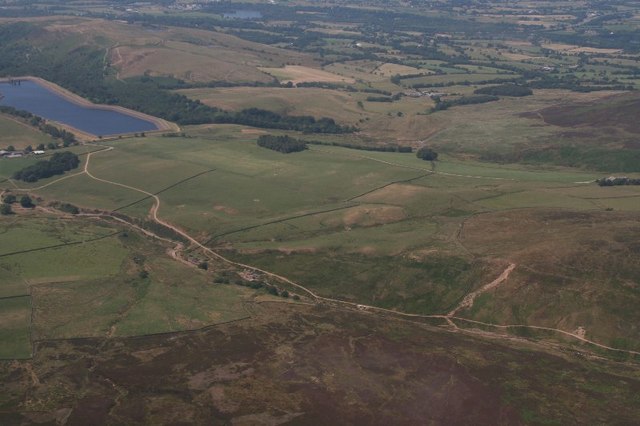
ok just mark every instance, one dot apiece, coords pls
pixel 300 74
pixel 189 54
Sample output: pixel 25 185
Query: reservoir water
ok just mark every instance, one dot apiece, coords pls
pixel 39 100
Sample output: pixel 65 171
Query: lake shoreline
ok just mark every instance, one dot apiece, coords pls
pixel 161 124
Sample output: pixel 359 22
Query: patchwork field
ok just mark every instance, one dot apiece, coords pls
pixel 69 278
pixel 367 227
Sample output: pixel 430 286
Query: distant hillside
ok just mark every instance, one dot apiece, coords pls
pixel 618 111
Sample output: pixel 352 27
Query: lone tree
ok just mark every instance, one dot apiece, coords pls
pixel 26 202
pixel 427 154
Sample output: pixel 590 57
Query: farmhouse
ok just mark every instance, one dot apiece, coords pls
pixel 16 154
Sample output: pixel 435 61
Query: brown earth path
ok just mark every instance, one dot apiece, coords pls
pixel 468 300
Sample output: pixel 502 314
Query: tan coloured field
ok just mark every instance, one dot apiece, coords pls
pixel 160 61
pixel 302 74
pixel 340 106
pixel 359 70
pixel 388 122
pixel 518 56
pixel 389 70
pixel 189 54
pixel 570 48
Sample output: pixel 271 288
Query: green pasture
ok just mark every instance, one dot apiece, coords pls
pixel 95 288
pixel 458 77
pixel 351 224
pixel 20 135
pixel 40 263
pixel 173 297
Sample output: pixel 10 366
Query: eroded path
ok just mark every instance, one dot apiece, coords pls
pixel 468 300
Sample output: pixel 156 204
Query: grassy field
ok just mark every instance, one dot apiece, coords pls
pixel 33 264
pixel 18 135
pixel 341 106
pixel 399 122
pixel 299 74
pixel 96 288
pixel 370 227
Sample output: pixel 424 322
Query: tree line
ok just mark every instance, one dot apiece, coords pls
pixel 67 138
pixel 284 144
pixel 377 148
pixel 464 100
pixel 514 90
pixel 59 163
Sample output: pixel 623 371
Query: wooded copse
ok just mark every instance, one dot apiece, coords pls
pixel 514 90
pixel 427 154
pixel 283 144
pixel 464 100
pixel 59 163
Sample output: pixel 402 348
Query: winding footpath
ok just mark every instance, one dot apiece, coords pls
pixel 467 301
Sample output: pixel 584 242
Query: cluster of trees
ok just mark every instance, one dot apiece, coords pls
pixel 426 154
pixel 261 118
pixel 59 163
pixel 615 181
pixel 257 285
pixel 464 100
pixel 68 138
pixel 393 98
pixel 65 207
pixel 505 90
pixel 284 144
pixel 9 199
